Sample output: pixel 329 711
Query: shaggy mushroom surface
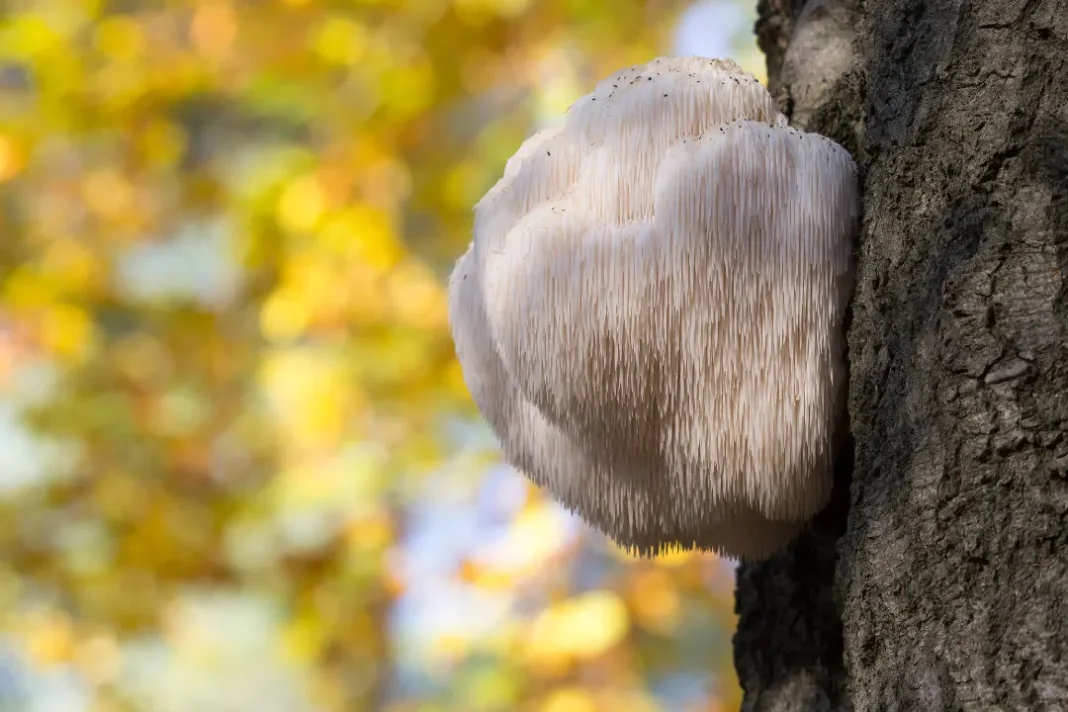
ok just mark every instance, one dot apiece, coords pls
pixel 650 313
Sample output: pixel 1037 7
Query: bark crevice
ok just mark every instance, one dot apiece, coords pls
pixel 951 574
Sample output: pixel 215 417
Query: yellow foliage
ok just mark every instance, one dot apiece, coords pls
pixel 578 628
pixel 120 38
pixel 453 382
pixel 49 638
pixel 675 558
pixel 632 700
pixel 141 358
pixel 301 204
pixel 416 296
pixel 284 315
pixel 371 532
pixel 163 142
pixel 67 331
pixel 365 233
pixel 31 36
pixel 304 637
pixel 71 266
pixel 486 577
pixel 26 288
pixel 311 396
pixel 108 192
pixel 464 184
pixel 12 157
pixel 532 540
pixel 655 600
pixel 271 429
pixel 341 40
pixel 366 298
pixel 99 657
pixel 213 28
pixel 569 699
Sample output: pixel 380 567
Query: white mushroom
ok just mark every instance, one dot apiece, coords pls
pixel 650 314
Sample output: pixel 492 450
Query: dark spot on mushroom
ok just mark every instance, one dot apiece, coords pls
pixel 665 96
pixel 548 154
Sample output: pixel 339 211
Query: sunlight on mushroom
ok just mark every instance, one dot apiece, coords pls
pixel 650 313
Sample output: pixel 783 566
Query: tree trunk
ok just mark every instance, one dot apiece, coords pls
pixel 938 577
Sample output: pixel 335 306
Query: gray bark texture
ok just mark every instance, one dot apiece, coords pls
pixel 937 578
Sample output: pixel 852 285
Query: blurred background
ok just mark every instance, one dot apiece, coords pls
pixel 239 469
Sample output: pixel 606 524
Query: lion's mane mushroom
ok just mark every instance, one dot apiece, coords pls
pixel 650 313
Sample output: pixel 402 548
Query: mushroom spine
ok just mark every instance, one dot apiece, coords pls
pixel 650 313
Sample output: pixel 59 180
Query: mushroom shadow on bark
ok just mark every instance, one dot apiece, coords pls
pixel 788 644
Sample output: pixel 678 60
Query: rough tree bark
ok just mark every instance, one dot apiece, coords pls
pixel 937 579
